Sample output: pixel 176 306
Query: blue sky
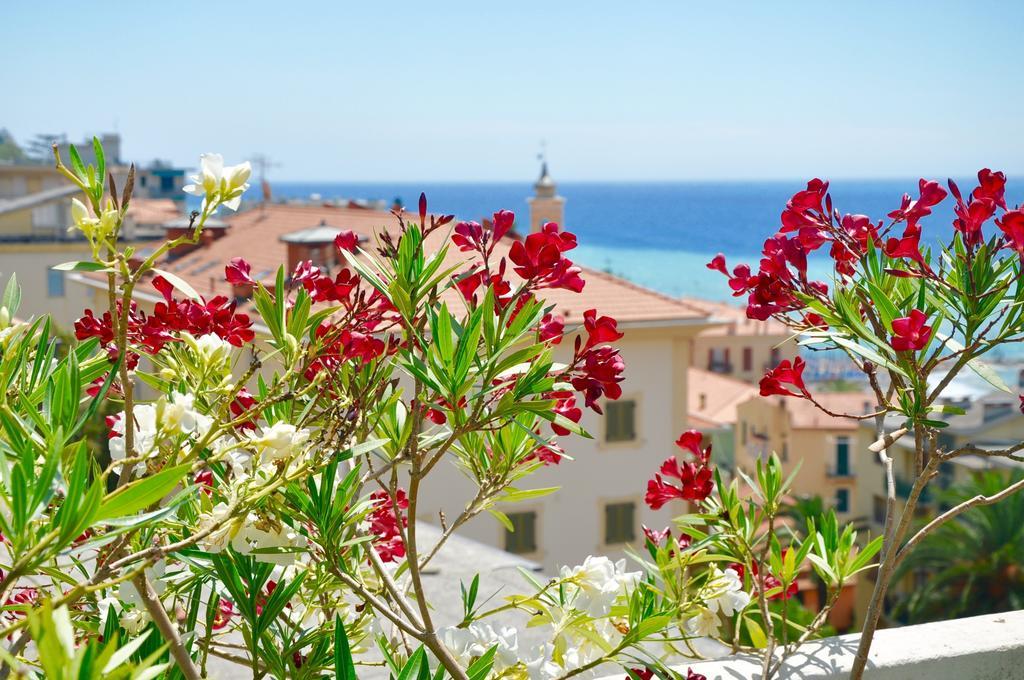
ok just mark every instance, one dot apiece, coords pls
pixel 466 90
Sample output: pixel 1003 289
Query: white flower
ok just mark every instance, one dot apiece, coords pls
pixel 104 606
pixel 213 349
pixel 282 440
pixel 218 538
pixel 727 594
pixel 95 228
pixel 702 624
pixel 220 184
pixel 600 582
pixel 542 667
pixel 473 641
pixel 256 535
pixel 180 416
pixel 134 621
pixel 145 433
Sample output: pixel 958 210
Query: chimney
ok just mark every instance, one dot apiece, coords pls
pixel 545 204
pixel 314 243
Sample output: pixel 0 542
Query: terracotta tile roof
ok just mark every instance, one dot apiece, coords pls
pixel 256 236
pixel 803 415
pixel 736 316
pixel 713 397
pixel 153 211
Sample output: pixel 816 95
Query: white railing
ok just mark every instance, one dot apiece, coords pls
pixel 977 648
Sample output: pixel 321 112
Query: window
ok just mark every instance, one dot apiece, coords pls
pixel 842 467
pixel 842 500
pixel 878 509
pixel 775 358
pixel 619 522
pixel 784 454
pixel 54 283
pixel 620 421
pixel 748 359
pixel 524 539
pixel 718 360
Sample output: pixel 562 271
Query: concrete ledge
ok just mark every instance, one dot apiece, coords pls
pixel 977 648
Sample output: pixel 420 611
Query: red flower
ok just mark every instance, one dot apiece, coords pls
pixel 304 271
pixel 568 409
pixel 804 209
pixel 991 186
pixel 468 236
pixel 244 401
pixel 503 221
pixel 237 272
pixel 910 333
pixel 225 610
pixel 551 328
pixel 908 246
pixel 384 524
pixel 930 194
pixel 654 536
pixel 347 240
pixel 786 373
pixel 718 264
pixel 600 372
pixel 691 441
pixel 690 675
pixel 204 478
pixel 549 455
pixel 695 484
pixel 600 330
pixel 642 673
pixel 1012 226
pixel 539 260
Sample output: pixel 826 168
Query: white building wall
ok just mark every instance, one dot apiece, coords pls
pixel 32 264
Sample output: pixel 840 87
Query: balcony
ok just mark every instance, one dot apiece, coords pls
pixel 839 471
pixel 979 647
pixel 720 366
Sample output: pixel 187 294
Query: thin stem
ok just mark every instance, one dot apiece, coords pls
pixel 167 629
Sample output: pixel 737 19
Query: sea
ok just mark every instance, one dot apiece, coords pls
pixel 656 234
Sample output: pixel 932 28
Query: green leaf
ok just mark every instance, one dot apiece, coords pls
pixel 80 266
pixel 989 375
pixel 141 493
pixel 101 162
pixel 479 669
pixel 178 282
pixel 413 665
pixel 503 518
pixel 12 295
pixel 344 666
pixel 77 165
pixel 886 309
pixel 515 495
pixel 757 635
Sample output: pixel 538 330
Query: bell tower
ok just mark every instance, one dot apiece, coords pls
pixel 545 205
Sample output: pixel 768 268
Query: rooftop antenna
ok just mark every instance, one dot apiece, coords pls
pixel 262 163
